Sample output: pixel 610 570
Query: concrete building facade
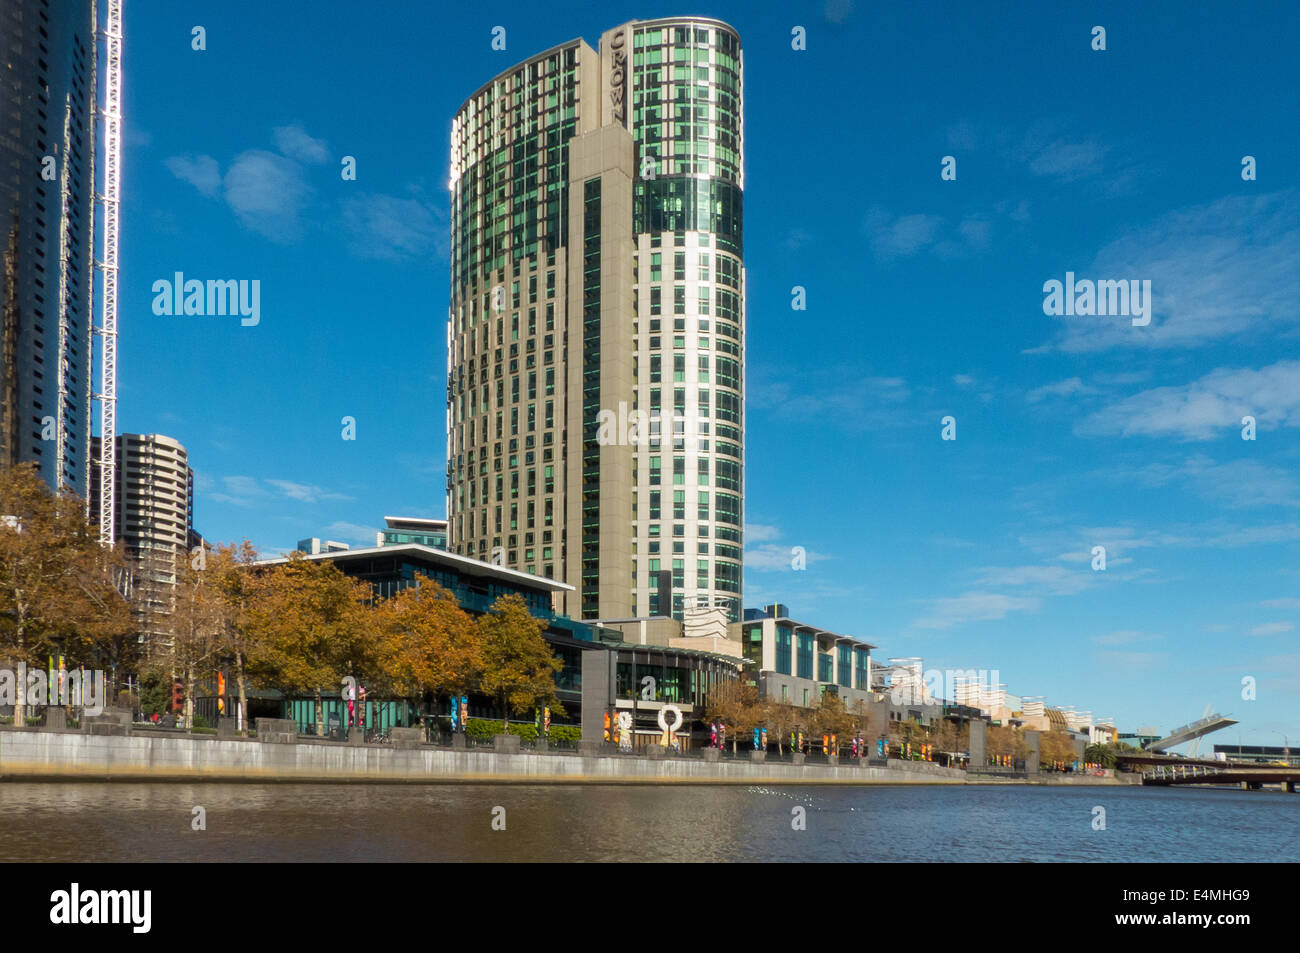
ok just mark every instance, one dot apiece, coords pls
pixel 47 157
pixel 153 522
pixel 795 662
pixel 596 329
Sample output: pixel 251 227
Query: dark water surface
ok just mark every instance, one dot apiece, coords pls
pixel 310 822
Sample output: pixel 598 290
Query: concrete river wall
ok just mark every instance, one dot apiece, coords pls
pixel 36 754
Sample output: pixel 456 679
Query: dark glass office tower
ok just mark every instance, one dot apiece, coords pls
pixel 47 189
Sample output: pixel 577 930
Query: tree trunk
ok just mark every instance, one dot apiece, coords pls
pixel 20 695
pixel 243 697
pixel 189 697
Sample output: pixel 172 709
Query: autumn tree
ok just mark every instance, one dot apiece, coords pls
pixel 833 718
pixel 1054 746
pixel 943 735
pixel 1003 740
pixel 57 584
pixel 735 703
pixel 196 624
pixel 306 621
pixel 859 716
pixel 429 645
pixel 783 720
pixel 519 665
pixel 234 580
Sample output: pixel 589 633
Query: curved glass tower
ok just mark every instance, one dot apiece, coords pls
pixel 596 332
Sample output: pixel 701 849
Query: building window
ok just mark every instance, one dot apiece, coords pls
pixel 805 657
pixel 783 649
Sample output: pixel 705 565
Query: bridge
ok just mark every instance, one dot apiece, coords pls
pixel 1222 773
pixel 1191 731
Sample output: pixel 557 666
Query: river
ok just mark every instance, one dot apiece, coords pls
pixel 93 821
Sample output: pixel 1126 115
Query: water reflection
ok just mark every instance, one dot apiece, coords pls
pixel 305 822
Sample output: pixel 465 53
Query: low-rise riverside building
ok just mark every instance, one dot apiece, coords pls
pixel 602 673
pixel 795 662
pixel 664 661
pixel 476 586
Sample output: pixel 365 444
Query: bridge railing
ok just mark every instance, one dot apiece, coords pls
pixel 1169 772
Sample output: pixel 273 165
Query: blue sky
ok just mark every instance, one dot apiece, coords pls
pixel 924 299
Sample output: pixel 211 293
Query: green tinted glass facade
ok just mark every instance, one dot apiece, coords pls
pixel 596 246
pixel 685 113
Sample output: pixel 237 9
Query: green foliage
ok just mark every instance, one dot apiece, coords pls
pixel 570 734
pixel 201 722
pixel 483 729
pixel 155 693
pixel 1103 755
pixel 519 665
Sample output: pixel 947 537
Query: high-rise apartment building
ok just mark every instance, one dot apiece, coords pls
pixel 153 522
pixel 46 224
pixel 596 331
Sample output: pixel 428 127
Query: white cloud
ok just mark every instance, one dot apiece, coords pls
pixel 1217 271
pixel 238 491
pixel 267 192
pixel 1272 628
pixel 901 236
pixel 974 607
pixel 353 533
pixel 760 533
pixel 1127 660
pixel 839 396
pixel 202 172
pixel 1053 580
pixel 1203 409
pixel 305 492
pixel 771 557
pixel 1062 159
pixel 1281 603
pixel 294 142
pixel 1255 536
pixel 246 490
pixel 1070 387
pixel 1125 637
pixel 392 228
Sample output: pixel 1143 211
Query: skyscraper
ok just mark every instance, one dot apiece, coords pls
pixel 153 522
pixel 47 190
pixel 596 331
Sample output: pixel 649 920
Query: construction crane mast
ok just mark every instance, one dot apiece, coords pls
pixel 110 115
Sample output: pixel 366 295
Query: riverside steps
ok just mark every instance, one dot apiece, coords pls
pixel 277 754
